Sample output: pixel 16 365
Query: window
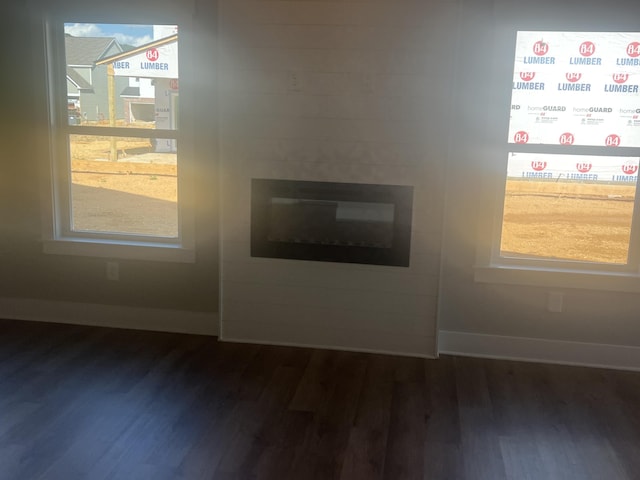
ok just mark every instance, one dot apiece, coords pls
pixel 118 180
pixel 572 154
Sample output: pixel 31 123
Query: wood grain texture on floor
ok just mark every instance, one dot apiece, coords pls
pixel 93 403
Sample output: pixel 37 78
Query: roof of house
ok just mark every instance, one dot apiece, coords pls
pixel 130 92
pixel 86 50
pixel 78 80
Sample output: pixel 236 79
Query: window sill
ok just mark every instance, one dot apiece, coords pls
pixel 559 278
pixel 120 249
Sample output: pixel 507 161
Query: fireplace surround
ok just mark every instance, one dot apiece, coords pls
pixel 331 221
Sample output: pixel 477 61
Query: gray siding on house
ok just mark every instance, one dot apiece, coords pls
pixel 84 72
pixel 72 89
pixel 95 106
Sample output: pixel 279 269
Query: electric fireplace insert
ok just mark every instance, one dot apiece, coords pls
pixel 332 222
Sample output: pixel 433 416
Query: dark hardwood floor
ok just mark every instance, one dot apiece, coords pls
pixel 92 403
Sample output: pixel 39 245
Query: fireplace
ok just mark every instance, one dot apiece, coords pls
pixel 331 222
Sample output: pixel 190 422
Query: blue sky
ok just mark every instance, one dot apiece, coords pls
pixel 126 34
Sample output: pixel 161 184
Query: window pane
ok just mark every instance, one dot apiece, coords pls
pixel 137 194
pixel 569 207
pixel 576 89
pixel 122 75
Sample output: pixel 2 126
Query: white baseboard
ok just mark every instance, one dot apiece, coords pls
pixel 317 336
pixel 114 316
pixel 619 357
pixel 328 347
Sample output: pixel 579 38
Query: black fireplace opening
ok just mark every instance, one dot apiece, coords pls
pixel 331 221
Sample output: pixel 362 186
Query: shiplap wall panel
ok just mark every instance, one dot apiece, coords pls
pixel 346 91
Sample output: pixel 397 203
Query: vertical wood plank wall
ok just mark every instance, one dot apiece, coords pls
pixel 334 91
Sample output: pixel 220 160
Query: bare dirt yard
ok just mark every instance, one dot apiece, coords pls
pixel 137 194
pixel 575 221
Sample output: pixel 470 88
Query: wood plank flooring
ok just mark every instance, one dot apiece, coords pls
pixel 92 403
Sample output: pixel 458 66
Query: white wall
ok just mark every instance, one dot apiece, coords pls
pixel 334 91
pixel 356 91
pixel 150 294
pixel 494 319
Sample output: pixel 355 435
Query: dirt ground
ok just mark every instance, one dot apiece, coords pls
pixel 137 194
pixel 574 221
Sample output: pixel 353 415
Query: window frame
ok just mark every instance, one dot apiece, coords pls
pixel 491 266
pixel 59 237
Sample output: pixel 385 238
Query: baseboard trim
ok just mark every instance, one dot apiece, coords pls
pixel 618 357
pixel 346 339
pixel 113 316
pixel 327 347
